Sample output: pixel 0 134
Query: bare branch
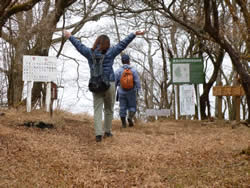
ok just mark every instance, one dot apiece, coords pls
pixel 10 8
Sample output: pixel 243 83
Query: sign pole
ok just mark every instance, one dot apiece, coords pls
pixel 198 101
pixel 29 94
pixel 176 103
pixel 220 107
pixel 48 96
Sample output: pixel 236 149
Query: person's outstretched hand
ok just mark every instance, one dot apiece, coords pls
pixel 139 32
pixel 67 34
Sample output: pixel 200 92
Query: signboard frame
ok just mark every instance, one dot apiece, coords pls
pixel 39 69
pixel 196 73
pixel 196 77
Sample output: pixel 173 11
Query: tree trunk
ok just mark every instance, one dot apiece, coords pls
pixel 15 87
pixel 204 99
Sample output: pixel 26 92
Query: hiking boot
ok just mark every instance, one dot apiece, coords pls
pixel 109 134
pixel 130 118
pixel 98 138
pixel 124 124
pixel 130 123
pixel 131 115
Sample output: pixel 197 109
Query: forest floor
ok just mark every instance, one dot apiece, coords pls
pixel 164 153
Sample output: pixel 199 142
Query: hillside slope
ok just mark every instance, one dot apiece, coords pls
pixel 159 154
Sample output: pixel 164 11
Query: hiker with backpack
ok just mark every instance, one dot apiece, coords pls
pixel 102 81
pixel 128 82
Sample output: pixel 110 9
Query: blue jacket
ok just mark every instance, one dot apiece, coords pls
pixel 110 55
pixel 118 74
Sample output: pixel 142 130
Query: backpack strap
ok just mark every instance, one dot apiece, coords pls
pixel 94 58
pixel 99 64
pixel 126 67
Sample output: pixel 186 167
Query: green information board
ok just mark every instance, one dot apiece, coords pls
pixel 187 71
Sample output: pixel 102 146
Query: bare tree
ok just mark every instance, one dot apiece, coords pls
pixel 30 37
pixel 211 27
pixel 9 8
pixel 216 32
pixel 187 28
pixel 31 33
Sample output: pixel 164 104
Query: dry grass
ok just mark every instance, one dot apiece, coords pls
pixel 160 154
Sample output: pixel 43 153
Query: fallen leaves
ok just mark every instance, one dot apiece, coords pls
pixel 160 154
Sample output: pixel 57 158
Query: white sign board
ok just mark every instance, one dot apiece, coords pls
pixel 151 112
pixel 187 105
pixel 39 68
pixel 181 73
pixel 155 112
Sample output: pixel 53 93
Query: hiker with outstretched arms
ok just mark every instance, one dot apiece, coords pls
pixel 102 82
pixel 128 82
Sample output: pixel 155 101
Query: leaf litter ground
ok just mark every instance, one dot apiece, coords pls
pixel 164 153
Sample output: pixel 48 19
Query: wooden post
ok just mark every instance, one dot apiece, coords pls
pixel 237 102
pixel 235 91
pixel 220 107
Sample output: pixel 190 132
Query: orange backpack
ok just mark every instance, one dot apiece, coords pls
pixel 127 80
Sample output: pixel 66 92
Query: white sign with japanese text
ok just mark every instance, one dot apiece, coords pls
pixel 187 105
pixel 39 68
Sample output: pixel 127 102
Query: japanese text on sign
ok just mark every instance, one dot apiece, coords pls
pixel 39 68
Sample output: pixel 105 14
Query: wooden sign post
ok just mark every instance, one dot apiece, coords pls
pixel 221 91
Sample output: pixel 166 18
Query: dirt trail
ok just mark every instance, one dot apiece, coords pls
pixel 160 154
